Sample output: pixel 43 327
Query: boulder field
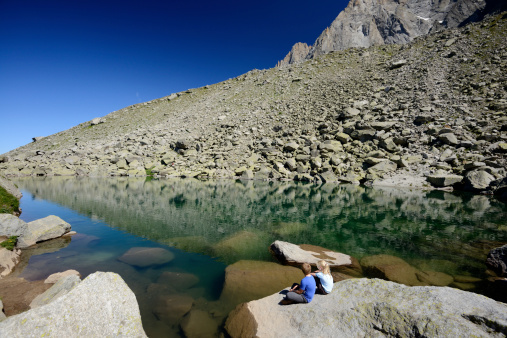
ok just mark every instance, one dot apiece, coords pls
pixel 430 114
pixel 373 308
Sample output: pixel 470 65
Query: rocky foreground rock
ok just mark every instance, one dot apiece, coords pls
pixel 32 232
pixel 101 305
pixel 435 107
pixel 372 308
pixel 28 234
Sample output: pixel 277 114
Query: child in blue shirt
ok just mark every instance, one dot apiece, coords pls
pixel 304 292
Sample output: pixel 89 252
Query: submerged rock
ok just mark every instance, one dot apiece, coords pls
pixel 434 278
pixel 198 323
pixel 391 268
pixel 243 244
pixel 248 280
pixel 178 280
pixel 172 308
pixel 101 305
pixel 144 257
pixel 371 308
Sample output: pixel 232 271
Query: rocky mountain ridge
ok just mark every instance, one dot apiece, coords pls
pixel 365 23
pixel 429 112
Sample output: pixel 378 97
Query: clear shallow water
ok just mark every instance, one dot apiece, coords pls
pixel 208 225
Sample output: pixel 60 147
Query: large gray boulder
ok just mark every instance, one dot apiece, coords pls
pixel 477 180
pixel 444 179
pixel 295 255
pixel 102 305
pixel 11 225
pixel 41 230
pixel 373 308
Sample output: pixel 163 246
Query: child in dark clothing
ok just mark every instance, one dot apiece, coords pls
pixel 304 292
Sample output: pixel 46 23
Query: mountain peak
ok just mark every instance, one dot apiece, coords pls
pixel 297 54
pixel 365 23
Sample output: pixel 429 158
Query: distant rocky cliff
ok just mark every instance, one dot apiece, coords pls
pixel 366 23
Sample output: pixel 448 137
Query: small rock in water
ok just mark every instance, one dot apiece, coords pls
pixel 144 257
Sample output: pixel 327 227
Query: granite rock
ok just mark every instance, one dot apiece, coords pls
pixel 101 305
pixel 371 308
pixel 41 230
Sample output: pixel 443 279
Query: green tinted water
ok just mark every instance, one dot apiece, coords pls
pixel 211 224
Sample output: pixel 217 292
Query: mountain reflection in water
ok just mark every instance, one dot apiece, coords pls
pixel 226 221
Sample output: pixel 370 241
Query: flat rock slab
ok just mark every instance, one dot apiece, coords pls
pixel 41 230
pixel 292 254
pixel 102 305
pixel 143 257
pixel 444 180
pixel 373 308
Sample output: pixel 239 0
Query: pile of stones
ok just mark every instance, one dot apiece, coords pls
pixel 431 113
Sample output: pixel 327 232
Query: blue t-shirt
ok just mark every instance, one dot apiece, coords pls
pixel 308 285
pixel 326 281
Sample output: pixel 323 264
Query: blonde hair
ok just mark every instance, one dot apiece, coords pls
pixel 323 266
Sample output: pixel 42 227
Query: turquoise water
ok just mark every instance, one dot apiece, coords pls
pixel 209 225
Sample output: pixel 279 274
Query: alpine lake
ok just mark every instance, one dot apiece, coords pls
pixel 208 225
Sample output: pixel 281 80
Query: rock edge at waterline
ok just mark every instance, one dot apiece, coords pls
pixel 373 307
pixel 102 305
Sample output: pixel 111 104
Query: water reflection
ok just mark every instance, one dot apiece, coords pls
pixel 234 220
pixel 208 223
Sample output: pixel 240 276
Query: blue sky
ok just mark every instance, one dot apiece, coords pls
pixel 65 62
